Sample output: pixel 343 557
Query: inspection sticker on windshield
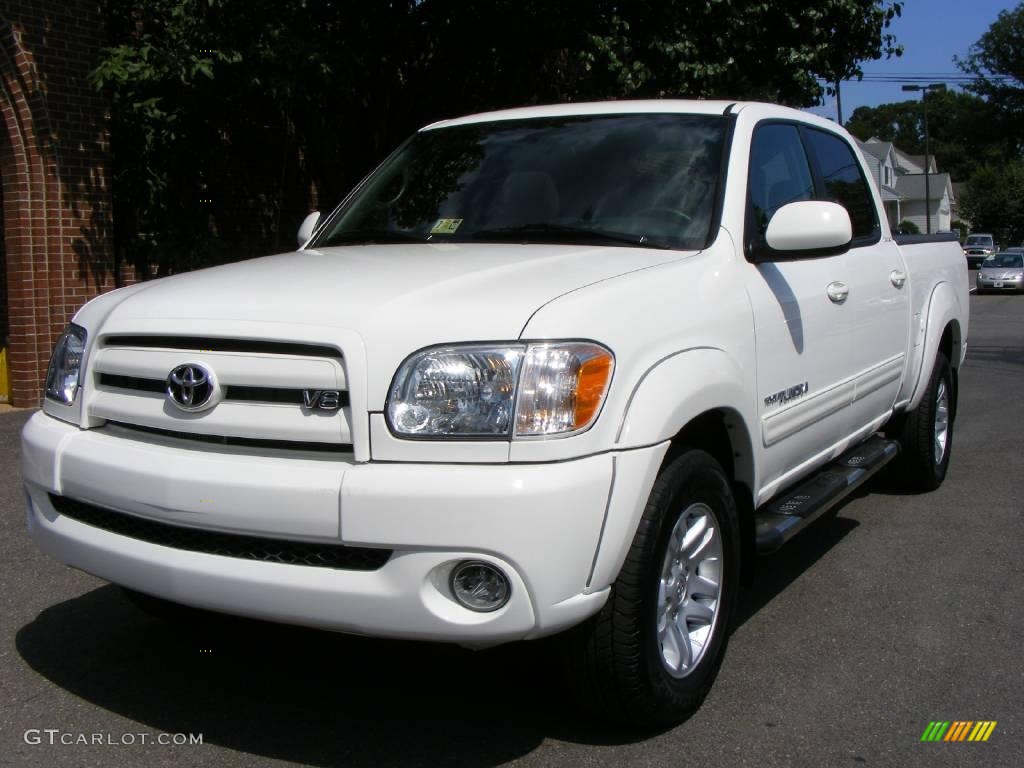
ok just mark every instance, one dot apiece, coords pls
pixel 445 226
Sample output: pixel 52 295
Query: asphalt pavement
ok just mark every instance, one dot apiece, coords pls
pixel 898 611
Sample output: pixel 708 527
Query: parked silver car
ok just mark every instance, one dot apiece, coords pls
pixel 1002 271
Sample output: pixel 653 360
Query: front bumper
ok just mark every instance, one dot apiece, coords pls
pixel 992 284
pixel 540 523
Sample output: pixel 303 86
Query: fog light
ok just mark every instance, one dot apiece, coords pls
pixel 479 586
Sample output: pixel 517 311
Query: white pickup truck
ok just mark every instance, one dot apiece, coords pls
pixel 562 369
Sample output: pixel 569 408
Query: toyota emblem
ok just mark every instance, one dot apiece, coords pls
pixel 191 387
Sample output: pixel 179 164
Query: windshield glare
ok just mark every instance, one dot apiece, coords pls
pixel 1004 261
pixel 644 180
pixel 979 240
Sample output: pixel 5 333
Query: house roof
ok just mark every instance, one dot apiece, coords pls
pixel 889 194
pixel 879 149
pixel 906 163
pixel 918 160
pixel 911 186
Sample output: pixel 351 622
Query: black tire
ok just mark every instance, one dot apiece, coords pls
pixel 918 468
pixel 616 657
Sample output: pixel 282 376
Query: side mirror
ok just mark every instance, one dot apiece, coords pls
pixel 806 228
pixel 308 225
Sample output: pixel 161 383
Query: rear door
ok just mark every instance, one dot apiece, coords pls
pixel 877 284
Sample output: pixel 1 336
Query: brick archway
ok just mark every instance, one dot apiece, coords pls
pixel 54 160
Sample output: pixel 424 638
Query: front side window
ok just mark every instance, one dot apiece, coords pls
pixel 779 173
pixel 844 182
pixel 640 179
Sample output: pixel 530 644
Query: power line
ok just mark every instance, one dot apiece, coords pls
pixel 936 78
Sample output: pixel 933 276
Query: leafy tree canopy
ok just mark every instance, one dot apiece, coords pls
pixel 997 60
pixel 994 198
pixel 964 130
pixel 994 202
pixel 231 118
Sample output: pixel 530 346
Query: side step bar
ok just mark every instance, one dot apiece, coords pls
pixel 783 517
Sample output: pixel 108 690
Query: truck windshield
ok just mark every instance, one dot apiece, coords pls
pixel 637 180
pixel 984 241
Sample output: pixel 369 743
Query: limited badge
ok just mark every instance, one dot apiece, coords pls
pixel 445 226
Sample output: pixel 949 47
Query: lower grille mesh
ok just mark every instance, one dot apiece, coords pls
pixel 241 546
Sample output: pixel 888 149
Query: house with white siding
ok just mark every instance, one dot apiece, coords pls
pixel 911 188
pixel 881 160
pixel 900 179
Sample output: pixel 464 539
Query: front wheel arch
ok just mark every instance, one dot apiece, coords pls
pixel 617 658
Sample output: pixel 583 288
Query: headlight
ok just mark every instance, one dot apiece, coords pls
pixel 495 391
pixel 66 365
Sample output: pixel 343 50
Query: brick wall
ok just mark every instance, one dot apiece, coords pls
pixel 54 157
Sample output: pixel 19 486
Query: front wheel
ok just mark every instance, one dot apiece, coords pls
pixel 650 655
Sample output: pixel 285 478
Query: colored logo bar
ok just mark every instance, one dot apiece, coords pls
pixel 958 730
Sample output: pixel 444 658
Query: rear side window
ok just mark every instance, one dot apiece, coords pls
pixel 844 183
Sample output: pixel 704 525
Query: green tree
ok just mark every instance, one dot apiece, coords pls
pixel 993 201
pixel 964 132
pixel 997 61
pixel 230 118
pixel 994 197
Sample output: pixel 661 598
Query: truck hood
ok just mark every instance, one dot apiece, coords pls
pixel 395 299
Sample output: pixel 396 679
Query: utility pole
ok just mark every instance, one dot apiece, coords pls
pixel 927 155
pixel 839 103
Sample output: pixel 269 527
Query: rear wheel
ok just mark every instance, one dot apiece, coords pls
pixel 650 656
pixel 925 434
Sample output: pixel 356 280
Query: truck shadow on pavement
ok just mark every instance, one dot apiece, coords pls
pixel 992 356
pixel 324 699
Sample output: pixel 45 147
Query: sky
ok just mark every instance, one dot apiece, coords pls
pixel 932 32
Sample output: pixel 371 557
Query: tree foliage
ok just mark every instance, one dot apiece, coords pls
pixel 230 118
pixel 994 202
pixel 997 60
pixel 975 135
pixel 964 130
pixel 994 198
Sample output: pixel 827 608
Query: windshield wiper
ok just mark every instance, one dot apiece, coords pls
pixel 371 236
pixel 563 233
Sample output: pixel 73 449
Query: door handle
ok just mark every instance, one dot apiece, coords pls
pixel 898 278
pixel 837 292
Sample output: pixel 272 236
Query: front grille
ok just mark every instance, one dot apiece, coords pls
pixel 209 344
pixel 241 442
pixel 283 395
pixel 265 389
pixel 133 383
pixel 241 546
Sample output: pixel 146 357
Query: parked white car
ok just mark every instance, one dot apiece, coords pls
pixel 547 369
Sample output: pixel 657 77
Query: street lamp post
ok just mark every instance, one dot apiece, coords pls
pixel 924 103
